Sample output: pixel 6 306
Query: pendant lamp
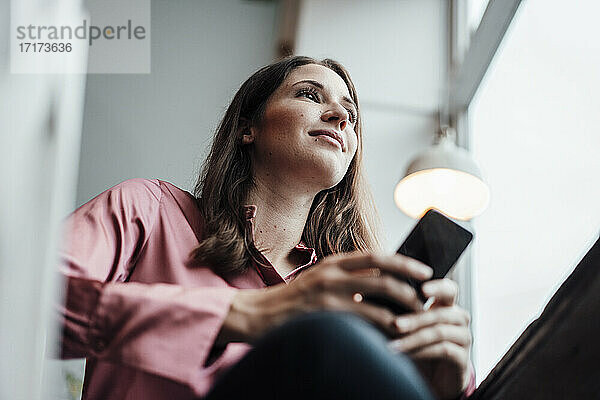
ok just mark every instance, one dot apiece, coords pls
pixel 444 177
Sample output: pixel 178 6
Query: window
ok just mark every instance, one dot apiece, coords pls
pixel 534 127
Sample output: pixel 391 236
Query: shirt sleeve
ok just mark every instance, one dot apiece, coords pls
pixel 163 329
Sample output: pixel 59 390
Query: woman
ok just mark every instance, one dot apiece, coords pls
pixel 166 291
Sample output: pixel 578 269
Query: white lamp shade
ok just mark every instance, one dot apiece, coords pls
pixel 444 177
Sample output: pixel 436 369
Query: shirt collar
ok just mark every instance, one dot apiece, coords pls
pixel 262 265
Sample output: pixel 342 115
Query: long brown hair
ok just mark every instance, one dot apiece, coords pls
pixel 341 219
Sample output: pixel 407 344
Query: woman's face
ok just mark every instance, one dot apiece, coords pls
pixel 307 133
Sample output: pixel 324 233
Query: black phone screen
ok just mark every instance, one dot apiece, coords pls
pixel 436 241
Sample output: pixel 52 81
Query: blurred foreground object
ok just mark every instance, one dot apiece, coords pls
pixel 556 357
pixel 40 130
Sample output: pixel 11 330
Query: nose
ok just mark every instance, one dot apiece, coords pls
pixel 336 114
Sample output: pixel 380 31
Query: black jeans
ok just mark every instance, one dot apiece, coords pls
pixel 324 355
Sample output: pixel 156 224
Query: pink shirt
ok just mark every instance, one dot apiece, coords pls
pixel 144 318
pixel 149 338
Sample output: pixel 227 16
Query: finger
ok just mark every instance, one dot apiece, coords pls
pixel 340 283
pixel 380 316
pixel 385 286
pixel 449 353
pixel 444 290
pixel 452 315
pixel 369 272
pixel 368 283
pixel 443 351
pixel 395 264
pixel 431 335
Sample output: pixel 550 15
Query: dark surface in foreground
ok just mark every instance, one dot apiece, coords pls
pixel 558 355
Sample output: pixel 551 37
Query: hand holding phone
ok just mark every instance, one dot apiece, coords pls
pixel 436 241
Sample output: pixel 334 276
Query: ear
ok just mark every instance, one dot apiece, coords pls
pixel 247 133
pixel 247 136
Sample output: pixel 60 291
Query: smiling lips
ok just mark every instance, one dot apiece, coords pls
pixel 331 134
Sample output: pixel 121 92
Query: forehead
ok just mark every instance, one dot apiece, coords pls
pixel 330 79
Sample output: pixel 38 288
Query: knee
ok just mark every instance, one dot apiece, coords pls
pixel 330 330
pixel 342 356
pixel 345 354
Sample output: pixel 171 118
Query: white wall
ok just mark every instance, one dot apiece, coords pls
pixel 158 125
pixel 535 130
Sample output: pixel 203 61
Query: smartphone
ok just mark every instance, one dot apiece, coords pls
pixel 436 241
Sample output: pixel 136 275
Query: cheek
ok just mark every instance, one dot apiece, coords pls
pixel 354 145
pixel 288 115
pixel 288 126
pixel 278 142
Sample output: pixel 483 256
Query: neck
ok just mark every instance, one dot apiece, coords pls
pixel 280 219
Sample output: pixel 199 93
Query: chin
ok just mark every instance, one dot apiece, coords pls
pixel 326 175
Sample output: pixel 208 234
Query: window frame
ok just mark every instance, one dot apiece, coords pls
pixel 470 55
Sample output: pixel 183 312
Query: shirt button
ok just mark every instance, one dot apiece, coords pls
pixel 100 344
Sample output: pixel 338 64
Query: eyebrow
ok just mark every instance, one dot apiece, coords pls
pixel 320 86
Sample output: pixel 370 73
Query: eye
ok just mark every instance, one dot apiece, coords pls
pixel 352 115
pixel 310 93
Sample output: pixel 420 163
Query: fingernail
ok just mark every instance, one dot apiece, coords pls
pixel 402 324
pixel 426 289
pixel 427 270
pixel 396 345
